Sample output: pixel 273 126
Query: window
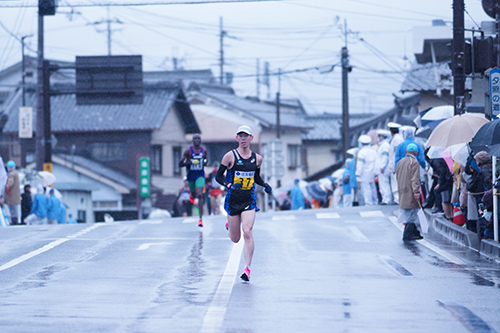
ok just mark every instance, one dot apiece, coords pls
pixel 81 216
pixel 176 154
pixel 294 156
pixel 108 151
pixel 156 152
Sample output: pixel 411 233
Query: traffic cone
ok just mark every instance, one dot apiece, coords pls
pixel 458 216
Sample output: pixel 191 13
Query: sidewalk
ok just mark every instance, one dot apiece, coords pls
pixel 486 247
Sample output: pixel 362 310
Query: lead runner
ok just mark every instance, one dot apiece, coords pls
pixel 243 172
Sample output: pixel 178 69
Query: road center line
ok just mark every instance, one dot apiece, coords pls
pixel 46 248
pixel 217 310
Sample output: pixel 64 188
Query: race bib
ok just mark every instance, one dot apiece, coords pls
pixel 245 178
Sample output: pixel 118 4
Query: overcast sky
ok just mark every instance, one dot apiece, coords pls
pixel 291 35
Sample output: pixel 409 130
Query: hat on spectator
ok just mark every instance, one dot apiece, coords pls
pixel 412 148
pixel 482 157
pixel 244 129
pixel 11 164
pixel 393 125
pixel 384 133
pixel 365 139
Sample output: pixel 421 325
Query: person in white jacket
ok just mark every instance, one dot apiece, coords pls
pixel 396 139
pixel 382 166
pixel 365 170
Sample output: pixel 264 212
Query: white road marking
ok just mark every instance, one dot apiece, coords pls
pixel 47 247
pixel 327 216
pixel 146 246
pixel 283 217
pixel 214 317
pixel 428 245
pixel 358 235
pixel 151 222
pixel 372 213
pixel 190 220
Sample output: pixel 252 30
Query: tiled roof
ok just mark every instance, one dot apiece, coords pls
pixel 67 116
pixel 101 170
pixel 264 112
pixel 329 126
pixel 422 77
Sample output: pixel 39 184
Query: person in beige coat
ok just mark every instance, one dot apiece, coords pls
pixel 408 178
pixel 12 194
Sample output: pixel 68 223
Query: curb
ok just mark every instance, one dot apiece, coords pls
pixel 486 247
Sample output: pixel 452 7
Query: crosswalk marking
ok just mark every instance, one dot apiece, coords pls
pixel 283 217
pixel 327 216
pixel 190 220
pixel 372 213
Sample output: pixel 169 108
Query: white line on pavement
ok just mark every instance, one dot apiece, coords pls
pixel 358 235
pixel 217 310
pixel 283 217
pixel 327 216
pixel 372 213
pixel 146 246
pixel 190 220
pixel 46 248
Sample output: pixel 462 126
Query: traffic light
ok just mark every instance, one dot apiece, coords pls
pixel 144 179
pixel 46 7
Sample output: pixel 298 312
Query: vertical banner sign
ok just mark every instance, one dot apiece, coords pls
pixel 144 181
pixel 25 122
pixel 495 92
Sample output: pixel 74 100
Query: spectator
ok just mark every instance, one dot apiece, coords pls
pixel 408 177
pixel 365 170
pixel 444 185
pixel 72 220
pixel 408 134
pixel 477 174
pixel 286 204
pixel 297 196
pixel 26 202
pixel 382 167
pixel 62 214
pixel 38 213
pixel 486 211
pixel 346 182
pixel 53 207
pixel 395 140
pixel 12 194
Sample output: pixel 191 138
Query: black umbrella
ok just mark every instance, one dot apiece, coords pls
pixel 487 136
pixel 314 189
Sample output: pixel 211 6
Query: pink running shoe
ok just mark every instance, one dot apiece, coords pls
pixel 246 275
pixel 227 225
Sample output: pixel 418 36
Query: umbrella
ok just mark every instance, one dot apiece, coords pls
pixel 48 178
pixel 458 129
pixel 373 134
pixel 315 190
pixel 458 153
pixel 486 136
pixel 437 113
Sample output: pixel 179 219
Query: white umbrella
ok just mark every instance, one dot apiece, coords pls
pixel 457 129
pixel 48 178
pixel 439 112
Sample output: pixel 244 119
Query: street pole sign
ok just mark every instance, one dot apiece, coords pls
pixel 25 122
pixel 495 92
pixel 144 179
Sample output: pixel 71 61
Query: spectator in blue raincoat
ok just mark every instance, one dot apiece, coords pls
pixel 72 220
pixel 297 197
pixel 53 208
pixel 38 213
pixel 409 134
pixel 350 183
pixel 62 214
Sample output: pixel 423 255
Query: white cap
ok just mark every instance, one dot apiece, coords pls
pixel 393 125
pixel 244 129
pixel 365 139
pixel 383 132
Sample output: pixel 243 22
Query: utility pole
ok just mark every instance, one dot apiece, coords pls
pixel 40 99
pixel 346 68
pixel 221 46
pixel 23 83
pixel 108 30
pixel 458 60
pixel 278 126
pixel 257 92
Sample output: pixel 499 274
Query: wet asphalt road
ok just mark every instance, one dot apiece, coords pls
pixel 343 270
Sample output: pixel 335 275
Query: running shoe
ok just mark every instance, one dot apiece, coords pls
pixel 227 225
pixel 246 275
pixel 191 199
pixel 200 223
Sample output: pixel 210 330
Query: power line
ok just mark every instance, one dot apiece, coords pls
pixel 122 3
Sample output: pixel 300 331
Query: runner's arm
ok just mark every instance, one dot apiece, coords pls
pixel 220 175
